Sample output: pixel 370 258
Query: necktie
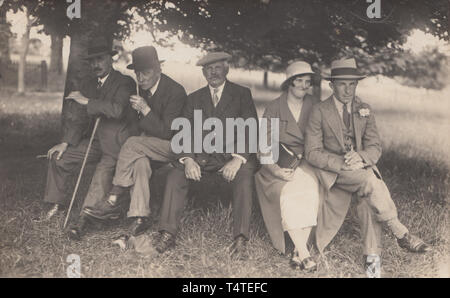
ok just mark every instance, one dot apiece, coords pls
pixel 215 97
pixel 346 116
pixel 99 87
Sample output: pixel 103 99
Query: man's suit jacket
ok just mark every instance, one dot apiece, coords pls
pixel 166 104
pixel 325 142
pixel 236 102
pixel 325 150
pixel 112 104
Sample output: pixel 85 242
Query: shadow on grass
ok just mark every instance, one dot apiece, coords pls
pixel 418 186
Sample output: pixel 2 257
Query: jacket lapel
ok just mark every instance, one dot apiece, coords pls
pixel 334 121
pixel 286 115
pixel 207 106
pixel 358 123
pixel 304 114
pixel 108 84
pixel 225 99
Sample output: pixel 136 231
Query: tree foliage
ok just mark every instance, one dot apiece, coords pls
pixel 269 33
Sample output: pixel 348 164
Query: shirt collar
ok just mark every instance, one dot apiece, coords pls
pixel 340 105
pixel 103 80
pixel 220 89
pixel 155 87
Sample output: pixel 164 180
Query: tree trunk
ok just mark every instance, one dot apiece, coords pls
pixel 266 79
pixel 25 42
pixel 56 59
pixel 5 34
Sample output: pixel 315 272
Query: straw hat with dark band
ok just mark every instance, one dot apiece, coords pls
pixel 345 70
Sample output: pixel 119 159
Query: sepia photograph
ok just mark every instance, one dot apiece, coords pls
pixel 231 139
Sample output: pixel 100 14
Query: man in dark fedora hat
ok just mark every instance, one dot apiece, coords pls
pixel 342 141
pixel 159 102
pixel 105 95
pixel 219 100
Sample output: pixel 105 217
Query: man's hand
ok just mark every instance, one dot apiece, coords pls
pixel 352 157
pixel 192 169
pixel 230 169
pixel 78 97
pixel 139 104
pixel 353 167
pixel 60 148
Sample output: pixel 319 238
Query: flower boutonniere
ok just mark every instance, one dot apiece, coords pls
pixel 362 109
pixel 364 112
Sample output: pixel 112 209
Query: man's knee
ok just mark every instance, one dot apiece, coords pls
pixel 368 183
pixel 142 165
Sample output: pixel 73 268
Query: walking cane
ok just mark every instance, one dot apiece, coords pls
pixel 97 121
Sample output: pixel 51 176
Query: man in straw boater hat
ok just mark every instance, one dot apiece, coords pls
pixel 159 102
pixel 342 141
pixel 218 101
pixel 105 95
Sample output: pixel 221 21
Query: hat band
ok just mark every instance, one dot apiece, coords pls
pixel 344 71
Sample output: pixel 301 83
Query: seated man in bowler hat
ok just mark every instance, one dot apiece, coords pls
pixel 160 100
pixel 342 141
pixel 106 95
pixel 221 99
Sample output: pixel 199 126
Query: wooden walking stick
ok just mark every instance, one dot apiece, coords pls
pixel 97 121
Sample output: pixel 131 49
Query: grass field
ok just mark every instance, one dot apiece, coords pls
pixel 414 125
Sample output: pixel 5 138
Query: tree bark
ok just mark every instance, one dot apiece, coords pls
pixel 5 34
pixel 56 55
pixel 25 42
pixel 266 79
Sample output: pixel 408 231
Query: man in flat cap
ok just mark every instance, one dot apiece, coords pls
pixel 342 141
pixel 219 100
pixel 105 95
pixel 159 102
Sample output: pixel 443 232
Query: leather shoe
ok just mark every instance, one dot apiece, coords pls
pixel 413 244
pixel 307 264
pixel 238 248
pixel 139 225
pixel 104 210
pixel 78 230
pixel 165 242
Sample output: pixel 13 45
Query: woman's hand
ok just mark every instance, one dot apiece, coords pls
pixel 282 173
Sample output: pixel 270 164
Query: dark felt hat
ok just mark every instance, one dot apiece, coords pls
pixel 144 58
pixel 98 47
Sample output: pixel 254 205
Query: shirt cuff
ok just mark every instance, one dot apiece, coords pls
pixel 181 160
pixel 240 157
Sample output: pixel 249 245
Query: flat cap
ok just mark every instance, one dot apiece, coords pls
pixel 213 57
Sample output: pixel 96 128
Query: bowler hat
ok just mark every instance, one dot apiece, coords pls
pixel 344 69
pixel 98 47
pixel 144 58
pixel 295 69
pixel 212 57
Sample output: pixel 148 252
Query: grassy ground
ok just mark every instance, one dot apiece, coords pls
pixel 415 165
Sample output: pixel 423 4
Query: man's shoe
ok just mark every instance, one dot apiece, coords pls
pixel 239 247
pixel 139 225
pixel 78 230
pixel 104 210
pixel 413 244
pixel 165 242
pixel 372 265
